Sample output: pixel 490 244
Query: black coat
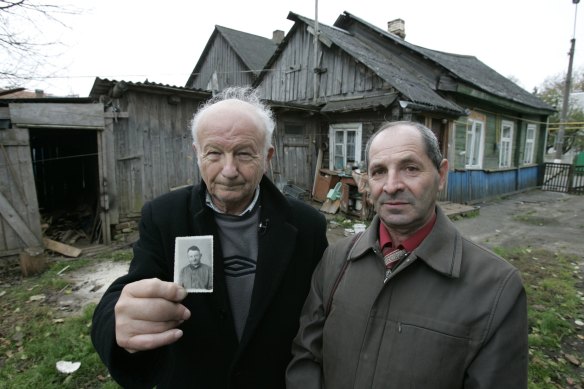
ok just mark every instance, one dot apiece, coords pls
pixel 209 354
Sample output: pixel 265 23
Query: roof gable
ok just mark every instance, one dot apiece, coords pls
pixel 253 50
pixel 393 69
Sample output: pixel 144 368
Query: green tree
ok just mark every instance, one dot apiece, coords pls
pixel 551 92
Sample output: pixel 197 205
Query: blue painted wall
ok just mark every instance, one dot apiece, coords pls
pixel 468 186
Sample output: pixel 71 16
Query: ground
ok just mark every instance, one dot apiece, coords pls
pixel 536 219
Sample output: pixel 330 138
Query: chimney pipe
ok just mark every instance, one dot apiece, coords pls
pixel 277 36
pixel 397 27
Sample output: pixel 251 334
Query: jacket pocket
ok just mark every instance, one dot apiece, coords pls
pixel 412 356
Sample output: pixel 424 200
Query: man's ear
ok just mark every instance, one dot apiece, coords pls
pixel 443 171
pixel 270 154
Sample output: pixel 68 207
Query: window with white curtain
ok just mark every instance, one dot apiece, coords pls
pixel 345 146
pixel 505 151
pixel 475 135
pixel 529 144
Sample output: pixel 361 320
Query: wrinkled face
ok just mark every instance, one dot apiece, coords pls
pixel 231 156
pixel 404 182
pixel 194 257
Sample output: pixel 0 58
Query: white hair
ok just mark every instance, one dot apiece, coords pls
pixel 247 95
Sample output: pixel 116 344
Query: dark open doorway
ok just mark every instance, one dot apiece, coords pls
pixel 65 167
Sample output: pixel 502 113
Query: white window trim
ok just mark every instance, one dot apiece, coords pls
pixel 528 159
pixel 511 125
pixel 472 123
pixel 358 127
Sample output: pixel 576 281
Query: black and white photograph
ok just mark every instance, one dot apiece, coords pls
pixel 193 263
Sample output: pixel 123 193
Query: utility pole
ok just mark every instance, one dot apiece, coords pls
pixel 316 32
pixel 559 145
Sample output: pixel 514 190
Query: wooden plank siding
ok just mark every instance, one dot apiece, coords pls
pixel 153 149
pixel 222 59
pixel 491 143
pixel 17 185
pixel 291 76
pixel 468 186
pixel 57 115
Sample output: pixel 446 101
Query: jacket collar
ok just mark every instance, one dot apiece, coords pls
pixel 441 250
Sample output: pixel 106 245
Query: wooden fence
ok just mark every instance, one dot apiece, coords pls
pixel 469 186
pixel 563 177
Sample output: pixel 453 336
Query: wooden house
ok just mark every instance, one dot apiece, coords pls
pixel 332 89
pixel 232 57
pixel 100 157
pixel 358 75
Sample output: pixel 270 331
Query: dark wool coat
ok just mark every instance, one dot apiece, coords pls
pixel 209 354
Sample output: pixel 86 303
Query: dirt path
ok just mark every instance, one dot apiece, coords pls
pixel 550 220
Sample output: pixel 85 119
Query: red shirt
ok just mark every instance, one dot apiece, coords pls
pixel 409 244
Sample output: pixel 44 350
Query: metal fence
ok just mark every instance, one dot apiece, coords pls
pixel 563 177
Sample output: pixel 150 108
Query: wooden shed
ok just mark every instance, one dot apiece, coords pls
pixel 52 159
pixel 100 158
pixel 151 141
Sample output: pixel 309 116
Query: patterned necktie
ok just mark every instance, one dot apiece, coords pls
pixel 392 259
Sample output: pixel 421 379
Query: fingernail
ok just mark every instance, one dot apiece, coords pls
pixel 186 314
pixel 182 293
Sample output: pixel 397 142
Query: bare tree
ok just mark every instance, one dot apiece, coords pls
pixel 551 92
pixel 24 46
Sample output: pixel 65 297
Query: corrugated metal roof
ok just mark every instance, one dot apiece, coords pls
pixel 102 86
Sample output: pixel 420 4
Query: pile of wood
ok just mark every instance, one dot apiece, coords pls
pixel 69 227
pixel 61 230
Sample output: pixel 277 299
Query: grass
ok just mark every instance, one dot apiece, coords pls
pixel 554 304
pixel 34 335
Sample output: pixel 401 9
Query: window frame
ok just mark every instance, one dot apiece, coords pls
pixel 471 129
pixel 344 128
pixel 529 149
pixel 506 144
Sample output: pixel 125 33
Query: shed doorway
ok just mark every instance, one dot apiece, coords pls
pixel 66 172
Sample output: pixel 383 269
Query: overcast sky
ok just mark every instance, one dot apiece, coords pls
pixel 133 40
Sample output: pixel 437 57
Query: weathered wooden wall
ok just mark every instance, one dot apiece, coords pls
pixel 293 160
pixel 471 186
pixel 19 211
pixel 292 75
pixel 229 69
pixel 57 115
pixel 152 149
